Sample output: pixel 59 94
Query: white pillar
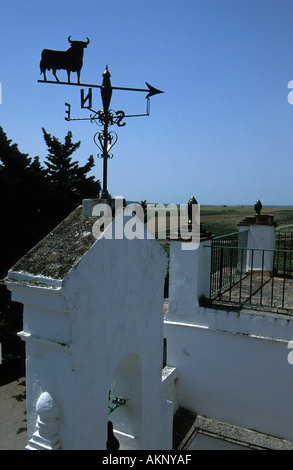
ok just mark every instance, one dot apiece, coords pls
pixel 93 327
pixel 189 279
pixel 261 240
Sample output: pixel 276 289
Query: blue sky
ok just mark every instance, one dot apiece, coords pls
pixel 223 129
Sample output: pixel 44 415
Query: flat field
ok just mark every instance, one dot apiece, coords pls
pixel 221 220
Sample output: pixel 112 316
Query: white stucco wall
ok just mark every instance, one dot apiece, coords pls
pixel 232 366
pixel 102 328
pixel 85 333
pixel 116 299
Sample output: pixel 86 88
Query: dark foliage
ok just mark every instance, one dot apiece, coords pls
pixel 69 182
pixel 34 200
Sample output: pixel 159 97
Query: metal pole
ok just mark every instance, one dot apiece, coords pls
pixel 105 158
pixel 106 94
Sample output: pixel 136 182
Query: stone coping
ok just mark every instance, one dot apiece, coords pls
pixel 233 434
pixel 258 219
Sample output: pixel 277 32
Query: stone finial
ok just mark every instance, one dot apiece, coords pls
pixel 190 203
pixel 46 436
pixel 257 206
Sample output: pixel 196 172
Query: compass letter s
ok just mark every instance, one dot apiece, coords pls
pixel 120 115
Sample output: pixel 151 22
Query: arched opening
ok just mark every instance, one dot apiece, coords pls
pixel 125 403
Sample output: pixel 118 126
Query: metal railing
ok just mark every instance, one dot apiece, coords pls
pixel 257 278
pixel 226 260
pixel 284 243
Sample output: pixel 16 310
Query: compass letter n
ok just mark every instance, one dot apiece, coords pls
pixel 86 99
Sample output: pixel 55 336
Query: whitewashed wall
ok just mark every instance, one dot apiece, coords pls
pixel 102 328
pixel 99 327
pixel 232 366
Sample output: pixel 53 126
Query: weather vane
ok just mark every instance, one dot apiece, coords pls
pixel 72 61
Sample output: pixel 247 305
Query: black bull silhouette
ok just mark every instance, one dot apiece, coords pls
pixel 70 60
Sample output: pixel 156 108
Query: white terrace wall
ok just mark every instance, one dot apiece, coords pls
pixel 232 365
pixel 101 327
pixel 98 329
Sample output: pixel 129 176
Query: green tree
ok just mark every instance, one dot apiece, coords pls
pixel 23 190
pixel 33 201
pixel 69 181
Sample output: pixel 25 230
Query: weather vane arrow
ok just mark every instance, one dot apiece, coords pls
pixel 151 90
pixel 71 61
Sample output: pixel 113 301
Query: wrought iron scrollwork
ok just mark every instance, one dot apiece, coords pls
pixel 112 138
pixel 109 118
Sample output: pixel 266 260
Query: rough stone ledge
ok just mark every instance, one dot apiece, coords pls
pixel 234 434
